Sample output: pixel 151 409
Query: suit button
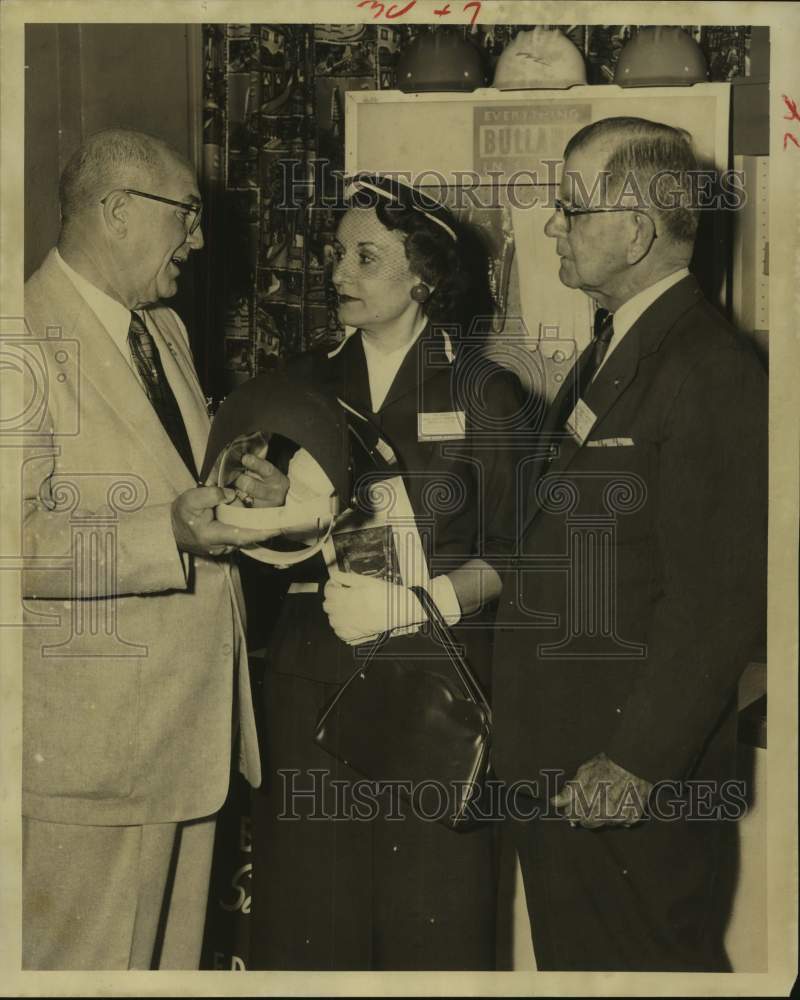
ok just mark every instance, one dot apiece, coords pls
pixel 227 648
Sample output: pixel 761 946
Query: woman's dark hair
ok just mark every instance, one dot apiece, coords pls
pixel 454 269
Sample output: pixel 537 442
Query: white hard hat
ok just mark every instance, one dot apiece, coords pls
pixel 543 58
pixel 320 475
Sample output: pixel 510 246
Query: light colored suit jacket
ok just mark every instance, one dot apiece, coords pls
pixel 134 661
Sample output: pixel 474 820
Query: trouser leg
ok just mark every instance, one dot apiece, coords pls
pixel 186 914
pixel 649 898
pixel 95 897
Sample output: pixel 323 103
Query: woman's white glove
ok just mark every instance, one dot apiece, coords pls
pixel 360 608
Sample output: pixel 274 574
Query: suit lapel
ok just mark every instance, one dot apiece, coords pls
pixel 102 365
pixel 349 374
pixel 643 338
pixel 424 359
pixel 607 387
pixel 427 357
pixel 179 369
pixel 351 377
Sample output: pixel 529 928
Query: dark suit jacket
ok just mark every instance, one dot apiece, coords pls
pixel 640 587
pixel 461 490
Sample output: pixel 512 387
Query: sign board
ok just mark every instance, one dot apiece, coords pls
pixel 526 138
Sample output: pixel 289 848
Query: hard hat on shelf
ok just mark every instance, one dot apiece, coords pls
pixel 440 59
pixel 541 58
pixel 662 56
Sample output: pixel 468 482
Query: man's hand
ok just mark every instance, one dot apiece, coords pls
pixel 362 607
pixel 263 485
pixel 603 794
pixel 196 529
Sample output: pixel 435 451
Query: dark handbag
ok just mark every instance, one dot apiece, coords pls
pixel 394 720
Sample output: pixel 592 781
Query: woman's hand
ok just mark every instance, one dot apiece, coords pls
pixel 263 485
pixel 362 607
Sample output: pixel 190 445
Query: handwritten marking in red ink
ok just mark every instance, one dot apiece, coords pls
pixel 794 114
pixel 477 5
pixel 392 11
pixel 379 9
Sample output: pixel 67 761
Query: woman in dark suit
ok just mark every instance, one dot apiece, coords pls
pixel 339 883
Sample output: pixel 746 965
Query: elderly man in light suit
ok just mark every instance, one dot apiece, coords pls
pixel 135 674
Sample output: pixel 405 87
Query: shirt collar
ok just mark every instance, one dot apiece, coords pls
pixel 113 316
pixel 382 367
pixel 630 311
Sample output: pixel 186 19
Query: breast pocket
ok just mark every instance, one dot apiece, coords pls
pixel 610 486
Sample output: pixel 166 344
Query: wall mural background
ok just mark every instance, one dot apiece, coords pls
pixel 273 96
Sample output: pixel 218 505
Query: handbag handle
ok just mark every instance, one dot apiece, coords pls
pixel 445 636
pixel 439 626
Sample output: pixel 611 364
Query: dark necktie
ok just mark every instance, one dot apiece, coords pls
pixel 577 382
pixel 148 364
pixel 592 357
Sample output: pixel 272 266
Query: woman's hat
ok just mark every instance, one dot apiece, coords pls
pixel 381 188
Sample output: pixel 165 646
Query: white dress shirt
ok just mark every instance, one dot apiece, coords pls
pixel 630 311
pixel 113 316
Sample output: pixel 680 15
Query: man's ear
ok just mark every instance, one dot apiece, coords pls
pixel 116 208
pixel 642 236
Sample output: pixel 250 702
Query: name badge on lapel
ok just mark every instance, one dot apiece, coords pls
pixel 447 426
pixel 581 421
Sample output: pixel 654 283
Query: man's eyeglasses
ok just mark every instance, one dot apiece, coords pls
pixel 567 212
pixel 193 210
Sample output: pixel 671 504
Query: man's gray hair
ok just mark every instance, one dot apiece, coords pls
pixel 658 159
pixel 110 159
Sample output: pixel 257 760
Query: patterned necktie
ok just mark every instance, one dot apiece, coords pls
pixel 592 357
pixel 148 364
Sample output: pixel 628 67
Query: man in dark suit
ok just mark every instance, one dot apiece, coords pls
pixel 639 592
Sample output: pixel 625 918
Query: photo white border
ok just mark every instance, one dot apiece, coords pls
pixel 784 21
